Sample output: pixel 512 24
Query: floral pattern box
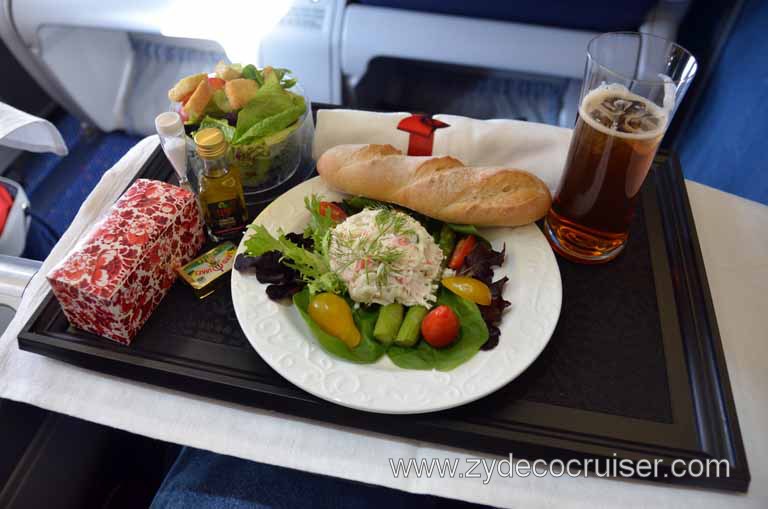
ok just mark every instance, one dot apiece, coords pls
pixel 115 277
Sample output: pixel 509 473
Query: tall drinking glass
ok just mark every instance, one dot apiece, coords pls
pixel 633 83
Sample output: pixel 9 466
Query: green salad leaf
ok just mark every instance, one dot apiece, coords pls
pixel 320 225
pixel 313 267
pixel 358 203
pixel 271 110
pixel 472 335
pixel 466 229
pixel 281 73
pixel 252 73
pixel 369 350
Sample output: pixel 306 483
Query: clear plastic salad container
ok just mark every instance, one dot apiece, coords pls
pixel 265 166
pixel 262 144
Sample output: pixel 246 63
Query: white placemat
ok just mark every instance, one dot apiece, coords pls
pixel 739 285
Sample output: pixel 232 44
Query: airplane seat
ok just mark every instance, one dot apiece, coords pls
pixel 136 51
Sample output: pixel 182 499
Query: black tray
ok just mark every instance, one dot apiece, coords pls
pixel 635 368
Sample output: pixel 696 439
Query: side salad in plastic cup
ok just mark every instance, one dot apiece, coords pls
pixel 262 113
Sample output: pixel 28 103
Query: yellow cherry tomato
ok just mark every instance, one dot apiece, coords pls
pixel 469 288
pixel 333 315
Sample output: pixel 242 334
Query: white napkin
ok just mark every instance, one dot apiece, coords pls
pixel 537 148
pixel 27 132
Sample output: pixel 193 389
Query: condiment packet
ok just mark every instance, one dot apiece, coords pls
pixel 205 272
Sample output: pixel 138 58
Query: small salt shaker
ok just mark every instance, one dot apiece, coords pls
pixel 170 129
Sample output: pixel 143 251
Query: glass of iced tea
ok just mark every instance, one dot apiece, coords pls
pixel 633 83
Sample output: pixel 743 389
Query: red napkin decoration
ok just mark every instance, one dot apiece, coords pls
pixel 6 202
pixel 422 133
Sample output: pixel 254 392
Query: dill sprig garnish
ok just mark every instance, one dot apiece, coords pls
pixel 379 260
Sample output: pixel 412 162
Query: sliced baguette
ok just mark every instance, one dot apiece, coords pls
pixel 439 187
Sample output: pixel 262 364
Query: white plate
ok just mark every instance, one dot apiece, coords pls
pixel 282 339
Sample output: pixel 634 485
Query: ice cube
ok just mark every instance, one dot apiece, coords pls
pixel 651 119
pixel 630 124
pixel 602 117
pixel 635 108
pixel 616 104
pixel 638 123
pixel 610 104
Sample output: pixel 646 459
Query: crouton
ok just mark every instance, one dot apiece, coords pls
pixel 240 92
pixel 185 87
pixel 197 102
pixel 227 71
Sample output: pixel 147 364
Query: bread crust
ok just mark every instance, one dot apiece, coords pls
pixel 439 187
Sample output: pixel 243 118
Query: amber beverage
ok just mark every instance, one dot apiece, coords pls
pixel 633 83
pixel 615 139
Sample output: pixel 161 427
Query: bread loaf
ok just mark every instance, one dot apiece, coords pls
pixel 439 187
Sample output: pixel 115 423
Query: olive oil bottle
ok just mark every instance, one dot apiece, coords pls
pixel 220 188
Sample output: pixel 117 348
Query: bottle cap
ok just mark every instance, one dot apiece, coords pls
pixel 210 143
pixel 169 124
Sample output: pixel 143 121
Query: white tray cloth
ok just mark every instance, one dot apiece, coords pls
pixel 739 283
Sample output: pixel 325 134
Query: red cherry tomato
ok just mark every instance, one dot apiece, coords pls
pixel 186 98
pixel 337 213
pixel 463 248
pixel 216 83
pixel 440 327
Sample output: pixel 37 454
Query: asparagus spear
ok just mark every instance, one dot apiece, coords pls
pixel 388 322
pixel 410 329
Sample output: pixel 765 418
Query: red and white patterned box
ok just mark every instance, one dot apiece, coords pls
pixel 112 281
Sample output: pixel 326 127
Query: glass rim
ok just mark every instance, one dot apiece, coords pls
pixel 592 58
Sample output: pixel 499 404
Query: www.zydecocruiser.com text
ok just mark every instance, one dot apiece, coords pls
pixel 487 469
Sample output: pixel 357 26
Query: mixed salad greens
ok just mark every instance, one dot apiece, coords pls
pixel 254 108
pixel 373 279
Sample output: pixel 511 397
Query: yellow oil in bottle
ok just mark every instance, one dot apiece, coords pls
pixel 220 188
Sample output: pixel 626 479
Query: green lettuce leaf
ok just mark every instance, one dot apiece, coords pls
pixel 369 350
pixel 313 267
pixel 466 229
pixel 358 203
pixel 252 73
pixel 271 110
pixel 472 335
pixel 320 226
pixel 221 102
